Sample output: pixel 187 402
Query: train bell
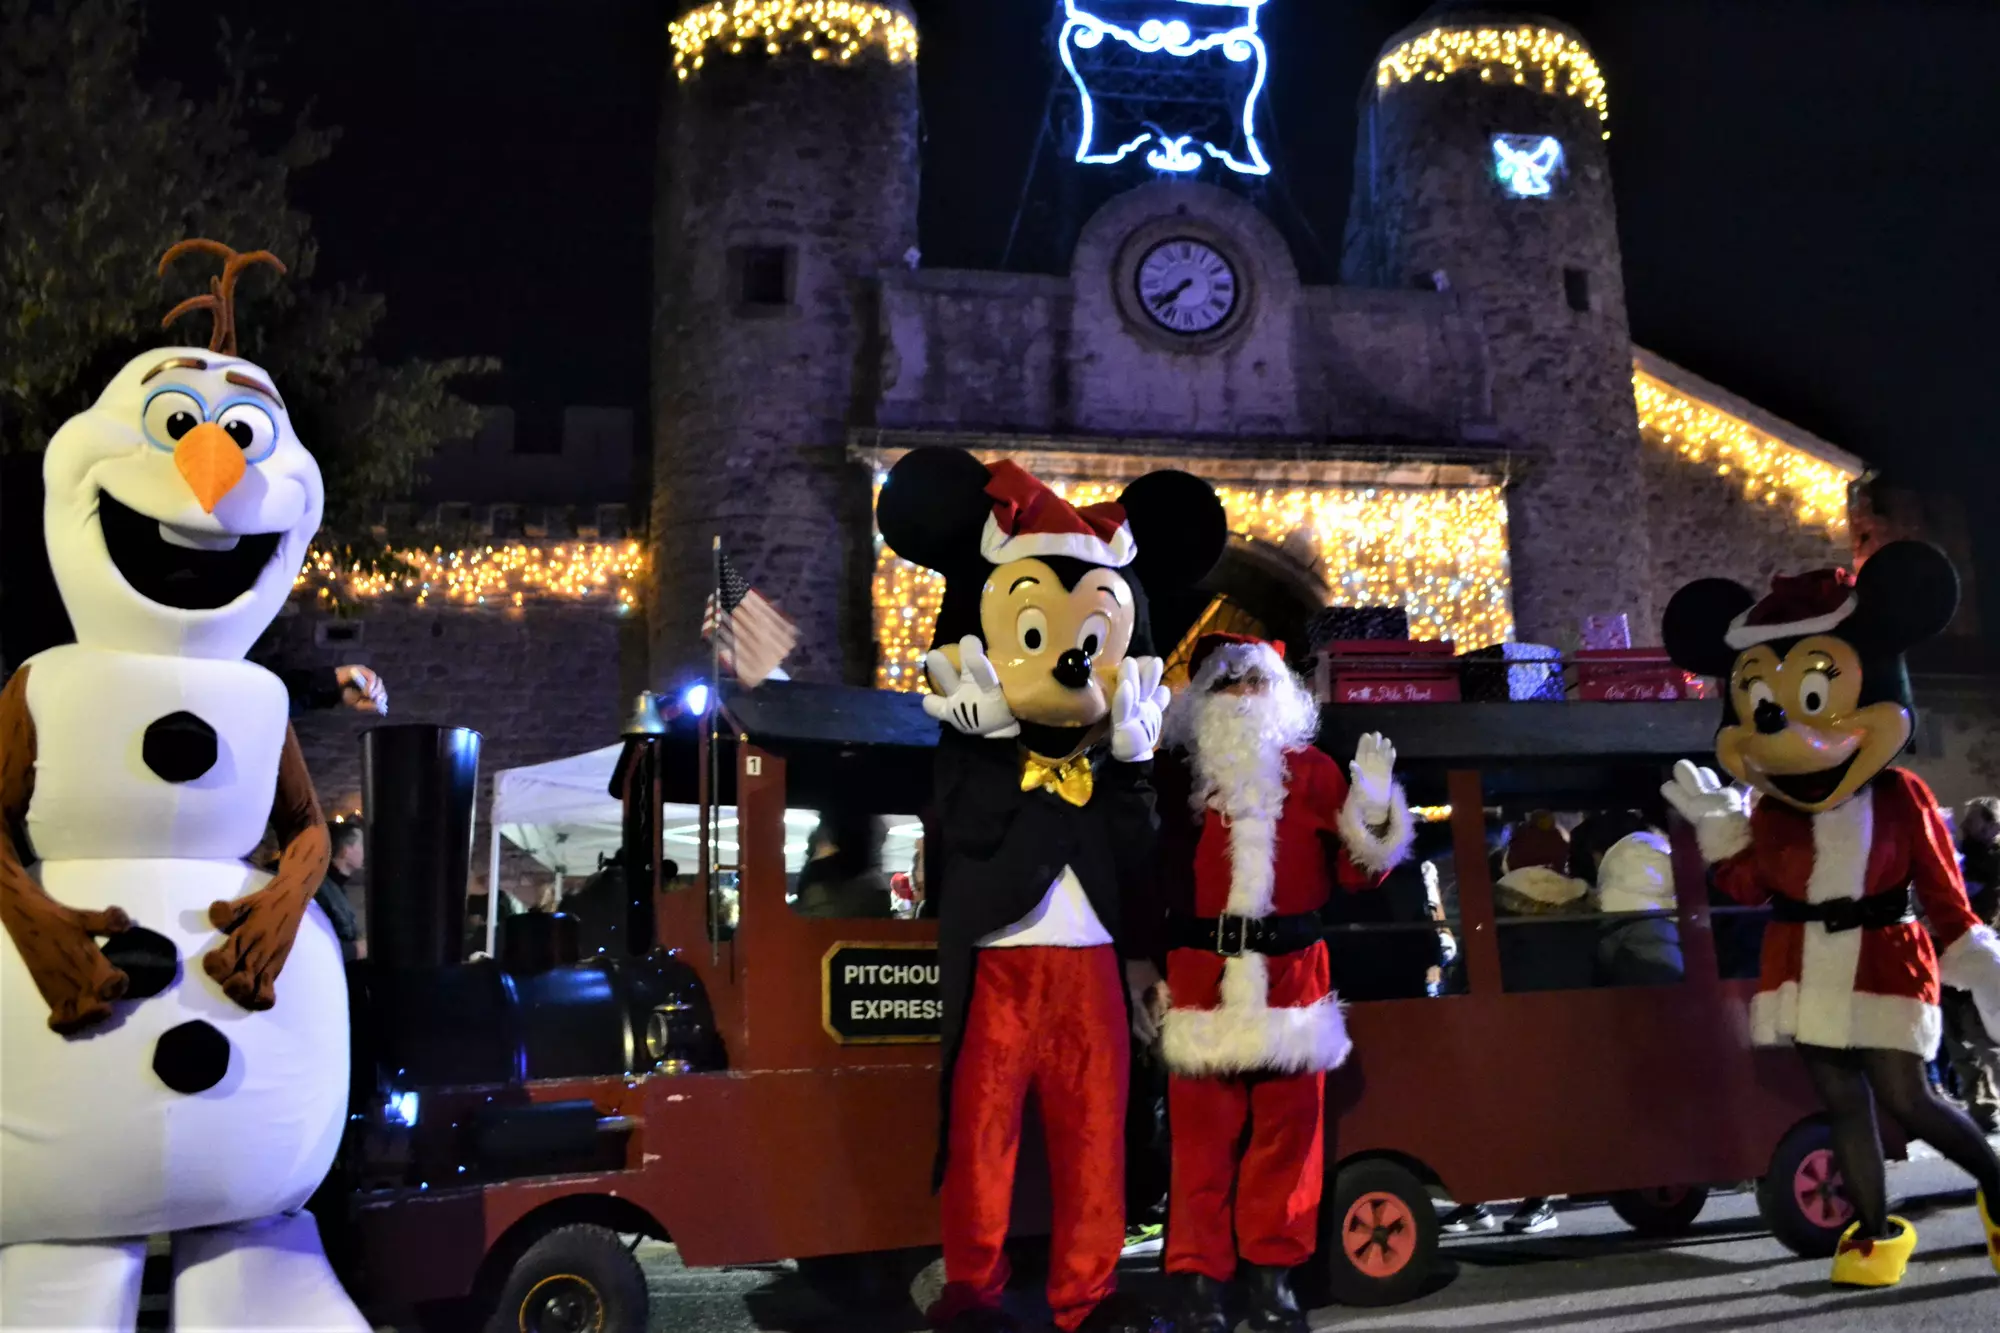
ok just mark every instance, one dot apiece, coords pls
pixel 646 719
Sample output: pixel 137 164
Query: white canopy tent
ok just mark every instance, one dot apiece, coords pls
pixel 562 814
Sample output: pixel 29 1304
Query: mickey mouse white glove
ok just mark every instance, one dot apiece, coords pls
pixel 1720 814
pixel 969 698
pixel 1138 707
pixel 1370 776
pixel 1972 963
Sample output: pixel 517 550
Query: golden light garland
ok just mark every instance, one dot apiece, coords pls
pixel 1439 554
pixel 830 29
pixel 506 574
pixel 1555 62
pixel 1768 469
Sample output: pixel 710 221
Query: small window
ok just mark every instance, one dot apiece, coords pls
pixel 337 633
pixel 1576 286
pixel 763 276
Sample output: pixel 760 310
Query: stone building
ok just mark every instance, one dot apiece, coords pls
pixel 1461 427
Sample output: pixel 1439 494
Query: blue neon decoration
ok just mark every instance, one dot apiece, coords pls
pixel 402 1108
pixel 1238 42
pixel 1527 164
pixel 695 699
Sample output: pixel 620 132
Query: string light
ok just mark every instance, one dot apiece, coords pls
pixel 1439 554
pixel 828 29
pixel 512 573
pixel 1554 62
pixel 1769 470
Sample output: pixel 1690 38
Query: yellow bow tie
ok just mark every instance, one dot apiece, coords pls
pixel 1068 778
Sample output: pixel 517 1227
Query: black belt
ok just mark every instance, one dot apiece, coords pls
pixel 1878 911
pixel 1230 936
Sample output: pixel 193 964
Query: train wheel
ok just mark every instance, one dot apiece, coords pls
pixel 1801 1199
pixel 1667 1211
pixel 576 1279
pixel 1379 1235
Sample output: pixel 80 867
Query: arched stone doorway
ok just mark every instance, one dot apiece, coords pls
pixel 1258 588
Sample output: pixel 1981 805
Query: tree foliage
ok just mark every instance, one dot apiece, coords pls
pixel 104 171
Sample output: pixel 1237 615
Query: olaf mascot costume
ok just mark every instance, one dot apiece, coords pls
pixel 189 1075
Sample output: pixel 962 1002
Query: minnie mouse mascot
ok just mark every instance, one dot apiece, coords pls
pixel 1051 701
pixel 1846 850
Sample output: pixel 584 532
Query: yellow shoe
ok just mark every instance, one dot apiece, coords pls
pixel 1992 1232
pixel 1874 1263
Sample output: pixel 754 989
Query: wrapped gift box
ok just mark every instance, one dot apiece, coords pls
pixel 1512 671
pixel 1611 632
pixel 1357 623
pixel 1384 671
pixel 1629 675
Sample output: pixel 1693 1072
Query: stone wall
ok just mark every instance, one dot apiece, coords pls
pixel 814 164
pixel 1957 747
pixel 1702 526
pixel 537 682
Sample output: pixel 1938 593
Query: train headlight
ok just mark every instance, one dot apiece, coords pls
pixel 671 1036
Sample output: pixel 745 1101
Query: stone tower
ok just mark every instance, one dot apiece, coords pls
pixel 1482 169
pixel 789 183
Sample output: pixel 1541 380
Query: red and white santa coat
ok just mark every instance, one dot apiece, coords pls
pixel 1252 1012
pixel 1862 988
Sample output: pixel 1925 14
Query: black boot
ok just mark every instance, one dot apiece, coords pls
pixel 1120 1313
pixel 981 1321
pixel 1202 1304
pixel 1273 1308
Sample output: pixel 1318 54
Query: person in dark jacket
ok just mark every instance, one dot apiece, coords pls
pixel 348 855
pixel 1629 866
pixel 844 878
pixel 1974 1053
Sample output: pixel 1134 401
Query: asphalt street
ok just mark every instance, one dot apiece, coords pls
pixel 1591 1273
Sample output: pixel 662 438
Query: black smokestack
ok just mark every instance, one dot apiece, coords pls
pixel 417 786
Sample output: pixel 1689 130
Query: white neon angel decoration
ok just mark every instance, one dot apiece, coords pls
pixel 1190 33
pixel 1527 164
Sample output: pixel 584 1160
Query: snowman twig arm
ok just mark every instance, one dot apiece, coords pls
pixel 57 943
pixel 259 928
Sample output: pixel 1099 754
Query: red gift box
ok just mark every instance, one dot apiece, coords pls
pixel 1623 675
pixel 1381 671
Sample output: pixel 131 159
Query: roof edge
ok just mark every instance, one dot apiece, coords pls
pixel 1684 381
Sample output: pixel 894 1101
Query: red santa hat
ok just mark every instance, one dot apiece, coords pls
pixel 1797 605
pixel 1218 655
pixel 1031 522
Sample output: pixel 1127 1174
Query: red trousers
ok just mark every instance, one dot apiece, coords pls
pixel 1054 1021
pixel 1258 1198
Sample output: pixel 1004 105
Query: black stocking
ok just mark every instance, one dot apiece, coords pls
pixel 1857 1144
pixel 1898 1081
pixel 1905 1092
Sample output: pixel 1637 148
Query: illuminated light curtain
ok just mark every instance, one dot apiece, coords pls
pixel 1769 471
pixel 1440 554
pixel 504 574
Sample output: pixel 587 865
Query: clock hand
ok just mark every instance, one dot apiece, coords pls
pixel 1166 299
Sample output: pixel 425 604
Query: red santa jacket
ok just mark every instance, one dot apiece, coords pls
pixel 1858 988
pixel 1251 1012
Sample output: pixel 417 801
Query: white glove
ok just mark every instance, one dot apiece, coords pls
pixel 1137 709
pixel 373 694
pixel 1699 794
pixel 969 697
pixel 1973 964
pixel 1370 776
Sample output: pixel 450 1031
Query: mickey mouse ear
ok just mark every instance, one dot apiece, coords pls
pixel 1695 628
pixel 934 506
pixel 1179 525
pixel 1908 592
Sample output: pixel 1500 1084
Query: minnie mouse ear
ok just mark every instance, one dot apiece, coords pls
pixel 934 506
pixel 1908 592
pixel 1695 628
pixel 1180 528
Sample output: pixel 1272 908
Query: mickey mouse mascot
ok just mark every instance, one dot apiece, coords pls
pixel 188 1075
pixel 1051 702
pixel 1846 850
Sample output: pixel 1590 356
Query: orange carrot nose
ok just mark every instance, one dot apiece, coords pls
pixel 211 462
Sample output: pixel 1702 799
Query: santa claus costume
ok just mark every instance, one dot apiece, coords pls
pixel 1258 827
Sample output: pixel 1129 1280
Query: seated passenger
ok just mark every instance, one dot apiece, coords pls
pixel 844 877
pixel 1548 954
pixel 1632 869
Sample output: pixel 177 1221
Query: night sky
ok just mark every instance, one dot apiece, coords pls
pixel 1807 188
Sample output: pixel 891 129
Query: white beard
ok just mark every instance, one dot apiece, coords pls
pixel 1236 749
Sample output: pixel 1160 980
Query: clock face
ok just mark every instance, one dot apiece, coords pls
pixel 1186 286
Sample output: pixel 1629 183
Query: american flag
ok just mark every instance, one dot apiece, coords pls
pixel 754 636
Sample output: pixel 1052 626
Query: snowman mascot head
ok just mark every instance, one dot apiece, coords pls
pixel 180 506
